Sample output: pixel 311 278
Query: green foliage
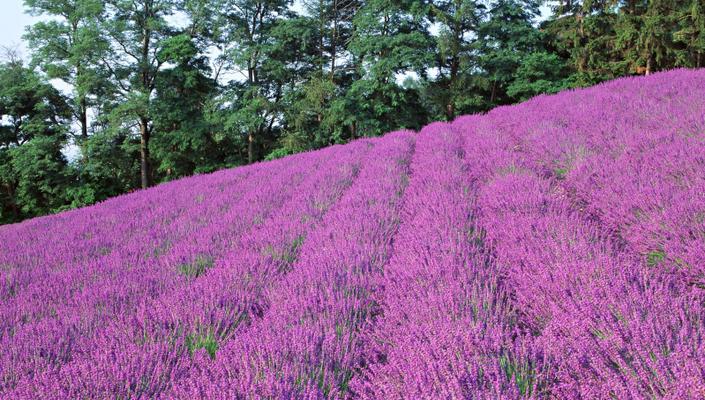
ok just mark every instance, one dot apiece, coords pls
pixel 202 340
pixel 279 153
pixel 185 141
pixel 605 40
pixel 197 267
pixel 110 164
pixel 286 256
pixel 79 196
pixel 689 38
pixel 560 172
pixel 40 170
pixel 69 47
pixel 512 53
pixel 35 174
pixel 456 89
pixel 655 258
pixel 538 73
pixel 522 373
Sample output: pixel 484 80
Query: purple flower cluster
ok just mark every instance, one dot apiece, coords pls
pixel 554 249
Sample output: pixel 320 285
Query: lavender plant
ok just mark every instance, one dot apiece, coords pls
pixel 553 249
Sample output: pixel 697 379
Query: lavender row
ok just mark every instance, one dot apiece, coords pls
pixel 159 336
pixel 604 323
pixel 57 316
pixel 638 167
pixel 306 344
pixel 606 326
pixel 445 326
pixel 548 250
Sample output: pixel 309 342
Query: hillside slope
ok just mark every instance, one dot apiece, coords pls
pixel 553 249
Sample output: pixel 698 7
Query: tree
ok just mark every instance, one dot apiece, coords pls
pixel 391 40
pixel 653 43
pixel 586 34
pixel 68 47
pixel 690 34
pixel 137 31
pixel 456 55
pixel 505 40
pixel 185 141
pixel 33 120
pixel 539 72
pixel 332 20
pixel 244 34
pixel 316 106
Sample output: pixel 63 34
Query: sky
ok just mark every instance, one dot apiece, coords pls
pixel 12 23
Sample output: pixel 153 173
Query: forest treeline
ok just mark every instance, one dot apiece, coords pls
pixel 153 90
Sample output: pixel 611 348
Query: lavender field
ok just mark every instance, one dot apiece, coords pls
pixel 553 249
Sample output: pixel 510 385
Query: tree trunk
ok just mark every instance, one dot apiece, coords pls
pixel 13 205
pixel 648 66
pixel 450 111
pixel 494 91
pixel 320 34
pixel 82 103
pixel 83 117
pixel 145 167
pixel 454 68
pixel 250 148
pixel 333 40
pixel 146 78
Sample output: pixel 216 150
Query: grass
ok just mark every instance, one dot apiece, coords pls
pixel 522 373
pixel 655 258
pixel 598 334
pixel 202 340
pixel 286 256
pixel 476 237
pixel 197 267
pixel 560 173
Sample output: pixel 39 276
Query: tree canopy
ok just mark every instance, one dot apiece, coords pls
pixel 153 90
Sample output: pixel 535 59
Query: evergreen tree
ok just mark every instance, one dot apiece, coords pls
pixel 137 31
pixel 184 140
pixel 458 84
pixel 391 40
pixel 690 37
pixel 33 119
pixel 584 33
pixel 505 40
pixel 317 112
pixel 245 36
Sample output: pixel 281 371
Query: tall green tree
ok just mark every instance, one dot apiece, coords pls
pixel 185 140
pixel 456 57
pixel 137 30
pixel 690 35
pixel 316 107
pixel 332 21
pixel 243 32
pixel 505 39
pixel 67 47
pixel 644 32
pixel 584 32
pixel 391 40
pixel 33 118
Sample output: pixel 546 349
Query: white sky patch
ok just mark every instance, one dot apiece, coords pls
pixel 12 25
